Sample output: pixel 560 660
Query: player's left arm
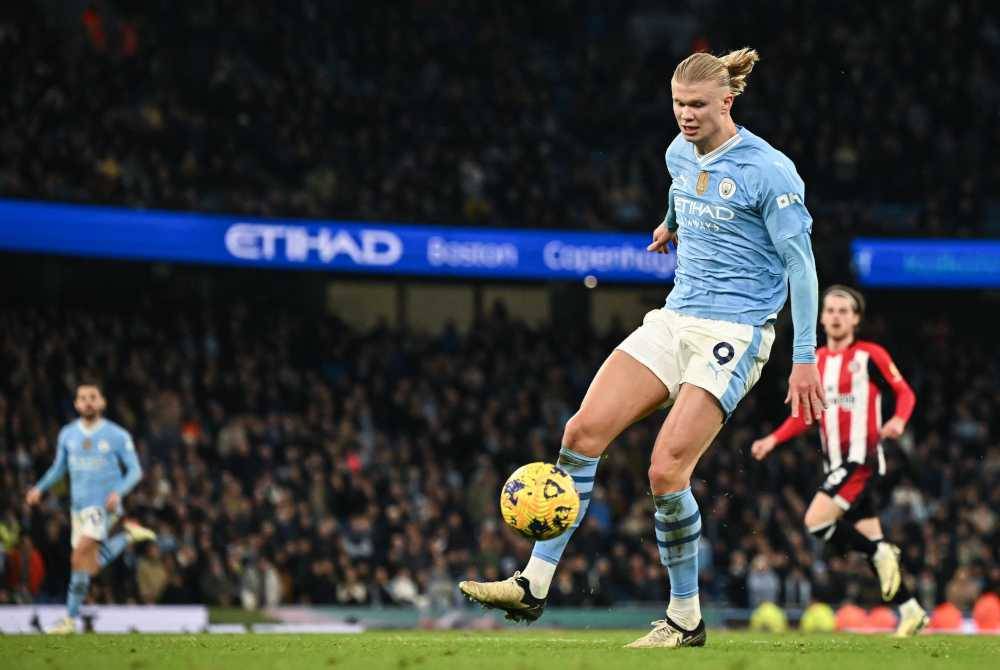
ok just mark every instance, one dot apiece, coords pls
pixel 781 197
pixel 125 451
pixel 905 398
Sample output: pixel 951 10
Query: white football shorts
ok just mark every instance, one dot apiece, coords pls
pixel 722 357
pixel 93 522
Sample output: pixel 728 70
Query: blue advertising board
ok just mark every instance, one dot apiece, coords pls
pixel 343 246
pixel 928 263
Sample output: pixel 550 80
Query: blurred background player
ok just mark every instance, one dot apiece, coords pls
pixel 843 510
pixel 738 207
pixel 93 451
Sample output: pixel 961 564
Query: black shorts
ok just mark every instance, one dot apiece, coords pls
pixel 854 489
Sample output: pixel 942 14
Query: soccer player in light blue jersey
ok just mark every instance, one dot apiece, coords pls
pixel 93 451
pixel 738 218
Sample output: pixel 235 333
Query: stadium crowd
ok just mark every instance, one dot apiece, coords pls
pixel 294 461
pixel 538 115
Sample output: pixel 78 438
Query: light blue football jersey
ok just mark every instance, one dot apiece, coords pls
pixel 731 206
pixel 94 460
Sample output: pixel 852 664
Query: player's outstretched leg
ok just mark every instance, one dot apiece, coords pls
pixel 623 391
pixel 90 556
pixel 688 431
pixel 523 595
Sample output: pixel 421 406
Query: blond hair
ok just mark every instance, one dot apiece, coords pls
pixel 730 71
pixel 855 296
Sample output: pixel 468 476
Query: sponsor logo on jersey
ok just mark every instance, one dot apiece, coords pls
pixel 727 188
pixel 842 400
pixel 684 205
pixel 702 184
pixel 88 463
pixel 87 443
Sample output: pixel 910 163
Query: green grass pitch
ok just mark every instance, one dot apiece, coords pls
pixel 509 650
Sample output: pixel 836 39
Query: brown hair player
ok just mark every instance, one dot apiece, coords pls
pixel 851 430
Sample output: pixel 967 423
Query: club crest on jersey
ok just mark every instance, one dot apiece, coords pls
pixel 702 184
pixel 854 366
pixel 103 446
pixel 727 188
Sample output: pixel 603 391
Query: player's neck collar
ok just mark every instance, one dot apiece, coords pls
pixel 90 431
pixel 719 150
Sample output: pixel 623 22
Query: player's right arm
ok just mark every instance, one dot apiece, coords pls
pixel 666 232
pixel 55 472
pixel 792 427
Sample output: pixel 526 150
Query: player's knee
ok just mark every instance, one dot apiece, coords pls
pixel 816 518
pixel 84 559
pixel 667 474
pixel 583 437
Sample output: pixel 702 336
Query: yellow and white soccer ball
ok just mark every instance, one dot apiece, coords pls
pixel 539 501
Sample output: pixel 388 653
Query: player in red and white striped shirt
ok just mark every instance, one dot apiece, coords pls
pixel 851 430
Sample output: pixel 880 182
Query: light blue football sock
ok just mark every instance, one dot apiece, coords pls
pixel 111 549
pixel 79 583
pixel 678 527
pixel 583 470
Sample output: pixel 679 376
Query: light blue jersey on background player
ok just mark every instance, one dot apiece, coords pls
pixel 94 459
pixel 93 452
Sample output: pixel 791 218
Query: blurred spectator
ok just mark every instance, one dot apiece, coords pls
pixel 25 570
pixel 261 586
pixel 215 585
pixel 763 585
pixel 55 550
pixel 963 589
pixel 151 574
pixel 403 589
pixel 797 590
